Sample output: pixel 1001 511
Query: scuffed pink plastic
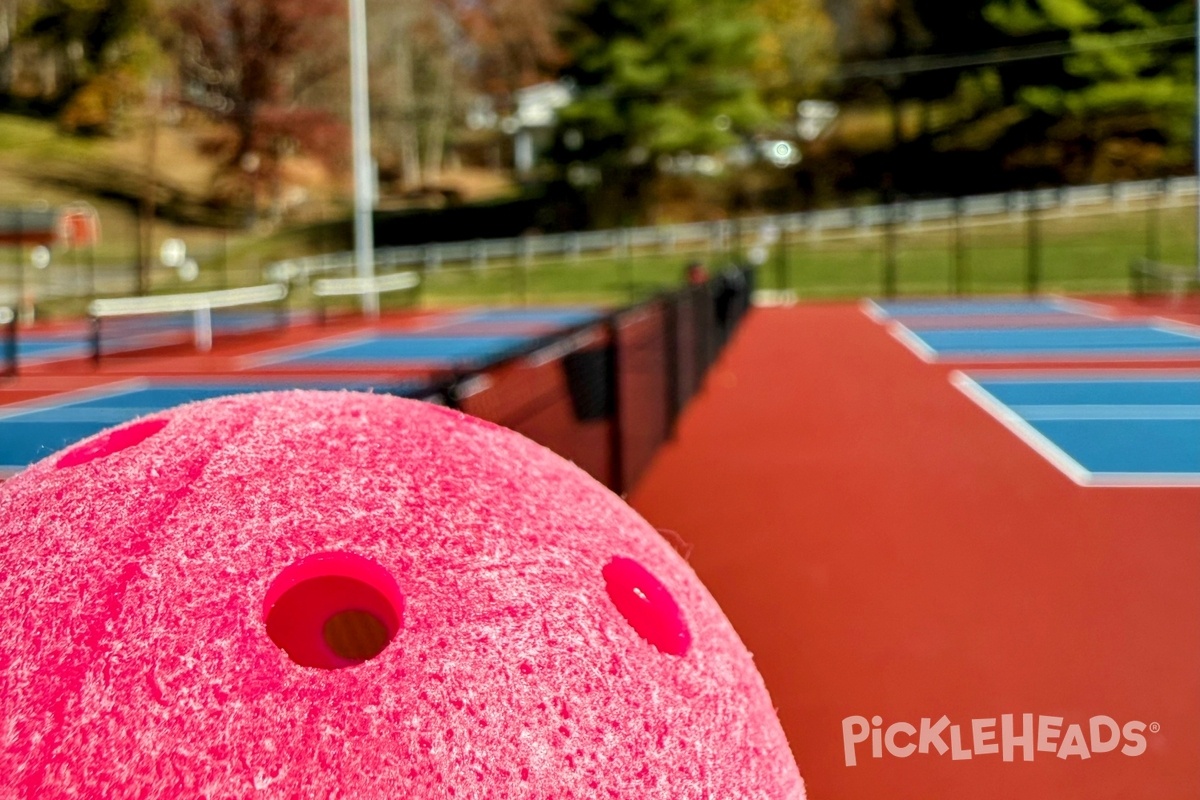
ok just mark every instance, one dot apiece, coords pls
pixel 138 583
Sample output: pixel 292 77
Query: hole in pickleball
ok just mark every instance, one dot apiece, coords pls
pixel 355 635
pixel 646 605
pixel 333 610
pixel 111 442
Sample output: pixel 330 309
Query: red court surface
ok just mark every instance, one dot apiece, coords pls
pixel 887 549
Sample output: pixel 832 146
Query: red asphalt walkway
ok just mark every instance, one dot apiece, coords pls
pixel 885 548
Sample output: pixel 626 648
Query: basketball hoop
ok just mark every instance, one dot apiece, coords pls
pixel 79 225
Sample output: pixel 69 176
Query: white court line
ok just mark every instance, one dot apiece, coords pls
pixel 774 298
pixel 1063 356
pixel 1146 480
pixel 1022 429
pixel 1085 307
pixel 1069 412
pixel 1175 326
pixel 913 342
pixel 73 398
pixel 1087 374
pixel 873 310
pixel 447 320
pixel 291 352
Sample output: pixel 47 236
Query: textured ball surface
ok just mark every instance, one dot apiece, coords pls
pixel 348 595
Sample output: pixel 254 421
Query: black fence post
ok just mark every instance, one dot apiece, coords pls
pixel 959 279
pixel 616 429
pixel 671 317
pixel 1033 273
pixel 783 267
pixel 1137 277
pixel 889 251
pixel 1153 227
pixel 627 262
pixel 10 346
pixel 21 308
pixel 95 325
pixel 520 274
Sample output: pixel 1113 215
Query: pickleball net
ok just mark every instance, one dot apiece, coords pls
pixel 1151 280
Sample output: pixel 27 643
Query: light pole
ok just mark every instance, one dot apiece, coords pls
pixel 360 119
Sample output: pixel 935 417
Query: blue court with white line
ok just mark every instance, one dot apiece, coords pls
pixel 30 432
pixel 1118 340
pixel 126 334
pixel 1108 429
pixel 969 309
pixel 467 339
pixel 400 350
pixel 559 317
pixel 49 349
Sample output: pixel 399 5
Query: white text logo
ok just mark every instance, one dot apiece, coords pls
pixel 1011 736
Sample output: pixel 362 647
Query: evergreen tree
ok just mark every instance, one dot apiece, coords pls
pixel 655 78
pixel 1124 90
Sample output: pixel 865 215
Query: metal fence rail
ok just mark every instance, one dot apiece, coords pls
pixel 720 235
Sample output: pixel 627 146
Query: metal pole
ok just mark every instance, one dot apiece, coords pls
pixel 360 114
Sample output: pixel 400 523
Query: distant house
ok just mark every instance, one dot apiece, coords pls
pixel 533 121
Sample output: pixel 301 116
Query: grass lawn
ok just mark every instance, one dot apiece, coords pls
pixel 1082 253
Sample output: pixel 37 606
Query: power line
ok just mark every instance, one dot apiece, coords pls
pixel 1003 55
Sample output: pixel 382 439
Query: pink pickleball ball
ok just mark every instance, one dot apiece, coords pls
pixel 311 594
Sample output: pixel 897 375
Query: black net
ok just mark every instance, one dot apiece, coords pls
pixel 128 334
pixel 557 395
pixel 644 403
pixel 1154 280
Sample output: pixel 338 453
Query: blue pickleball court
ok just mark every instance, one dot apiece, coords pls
pixel 1100 341
pixel 1113 429
pixel 402 350
pixel 560 317
pixel 970 308
pixel 32 432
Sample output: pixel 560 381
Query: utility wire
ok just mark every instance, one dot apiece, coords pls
pixel 923 63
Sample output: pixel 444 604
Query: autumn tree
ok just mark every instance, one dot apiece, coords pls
pixel 795 53
pixel 91 53
pixel 421 79
pixel 516 41
pixel 248 65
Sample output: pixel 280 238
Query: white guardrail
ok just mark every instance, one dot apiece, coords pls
pixel 716 235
